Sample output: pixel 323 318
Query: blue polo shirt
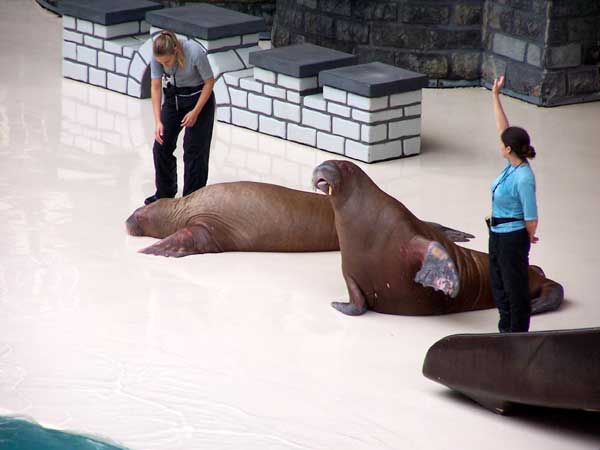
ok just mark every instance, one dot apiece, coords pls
pixel 514 196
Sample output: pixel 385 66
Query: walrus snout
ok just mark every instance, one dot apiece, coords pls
pixel 326 177
pixel 133 225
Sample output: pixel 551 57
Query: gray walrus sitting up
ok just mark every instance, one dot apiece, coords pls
pixel 243 216
pixel 394 263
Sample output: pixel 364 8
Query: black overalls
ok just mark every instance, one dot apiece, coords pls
pixel 196 141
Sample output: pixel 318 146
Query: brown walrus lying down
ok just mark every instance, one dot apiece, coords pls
pixel 243 216
pixel 394 263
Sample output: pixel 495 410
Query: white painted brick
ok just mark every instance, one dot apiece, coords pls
pixel 316 119
pixel 97 77
pixel 68 22
pixel 129 50
pixel 380 116
pixel 154 31
pixel 115 47
pixel 286 110
pixel 250 38
pixel 73 36
pixel 69 50
pixel 297 84
pixel 116 83
pixel 120 29
pixel 144 27
pixel 215 44
pixel 137 68
pixel 372 134
pixel 414 110
pixel 224 62
pixel 340 110
pixel 266 76
pixel 244 53
pixel 122 65
pixel 367 103
pixel 238 98
pixel 315 101
pixel 75 71
pixel 303 135
pixel 293 96
pixel 85 26
pixel 233 78
pixel 106 61
pixel 346 128
pixel 412 146
pixel 221 92
pixel 244 118
pixel 373 152
pixel 134 89
pixel 335 95
pixel 251 85
pixel 406 98
pixel 260 103
pixel 272 126
pixel 145 51
pixel 403 128
pixel 330 142
pixel 274 92
pixel 87 55
pixel 93 42
pixel 224 114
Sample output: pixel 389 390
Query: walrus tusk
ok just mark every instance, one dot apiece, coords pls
pixel 330 189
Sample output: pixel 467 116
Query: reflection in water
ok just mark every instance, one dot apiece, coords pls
pixel 20 434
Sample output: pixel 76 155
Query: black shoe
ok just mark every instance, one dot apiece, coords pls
pixel 151 199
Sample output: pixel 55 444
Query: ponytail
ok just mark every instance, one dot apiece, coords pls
pixel 166 44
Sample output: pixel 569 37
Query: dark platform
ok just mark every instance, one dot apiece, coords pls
pixel 206 21
pixel 302 60
pixel 373 79
pixel 108 12
pixel 557 369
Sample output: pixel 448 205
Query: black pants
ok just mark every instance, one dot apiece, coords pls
pixel 196 146
pixel 509 265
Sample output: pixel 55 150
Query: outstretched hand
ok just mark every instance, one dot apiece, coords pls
pixel 498 85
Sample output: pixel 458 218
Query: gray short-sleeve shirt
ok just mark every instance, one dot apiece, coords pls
pixel 196 68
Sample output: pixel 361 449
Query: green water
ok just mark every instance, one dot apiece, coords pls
pixel 20 434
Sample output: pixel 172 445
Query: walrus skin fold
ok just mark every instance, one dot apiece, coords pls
pixel 243 216
pixel 394 263
pixel 557 369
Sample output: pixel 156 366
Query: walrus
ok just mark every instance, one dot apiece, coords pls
pixel 557 369
pixel 243 216
pixel 393 263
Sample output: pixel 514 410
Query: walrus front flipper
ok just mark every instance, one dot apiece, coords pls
pixel 357 304
pixel 451 233
pixel 186 241
pixel 438 270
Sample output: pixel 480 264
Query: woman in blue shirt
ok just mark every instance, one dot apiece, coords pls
pixel 513 223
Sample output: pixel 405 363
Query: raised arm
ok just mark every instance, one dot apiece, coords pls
pixel 501 119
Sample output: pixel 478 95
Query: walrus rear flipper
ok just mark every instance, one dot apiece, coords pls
pixel 438 270
pixel 357 304
pixel 186 241
pixel 451 233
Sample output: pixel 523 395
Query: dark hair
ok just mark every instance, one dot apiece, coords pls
pixel 518 140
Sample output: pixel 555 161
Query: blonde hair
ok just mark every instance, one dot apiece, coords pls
pixel 166 44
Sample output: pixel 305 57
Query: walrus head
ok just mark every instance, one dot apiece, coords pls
pixel 332 177
pixel 154 220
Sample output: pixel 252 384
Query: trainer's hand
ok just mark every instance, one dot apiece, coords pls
pixel 533 239
pixel 498 85
pixel 158 133
pixel 189 120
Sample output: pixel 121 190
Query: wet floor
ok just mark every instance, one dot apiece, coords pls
pixel 243 351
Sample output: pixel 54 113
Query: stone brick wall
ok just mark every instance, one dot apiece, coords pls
pixel 549 50
pixel 439 38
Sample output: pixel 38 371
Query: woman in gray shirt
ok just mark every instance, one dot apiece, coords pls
pixel 182 72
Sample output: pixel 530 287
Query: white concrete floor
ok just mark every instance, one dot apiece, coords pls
pixel 243 351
